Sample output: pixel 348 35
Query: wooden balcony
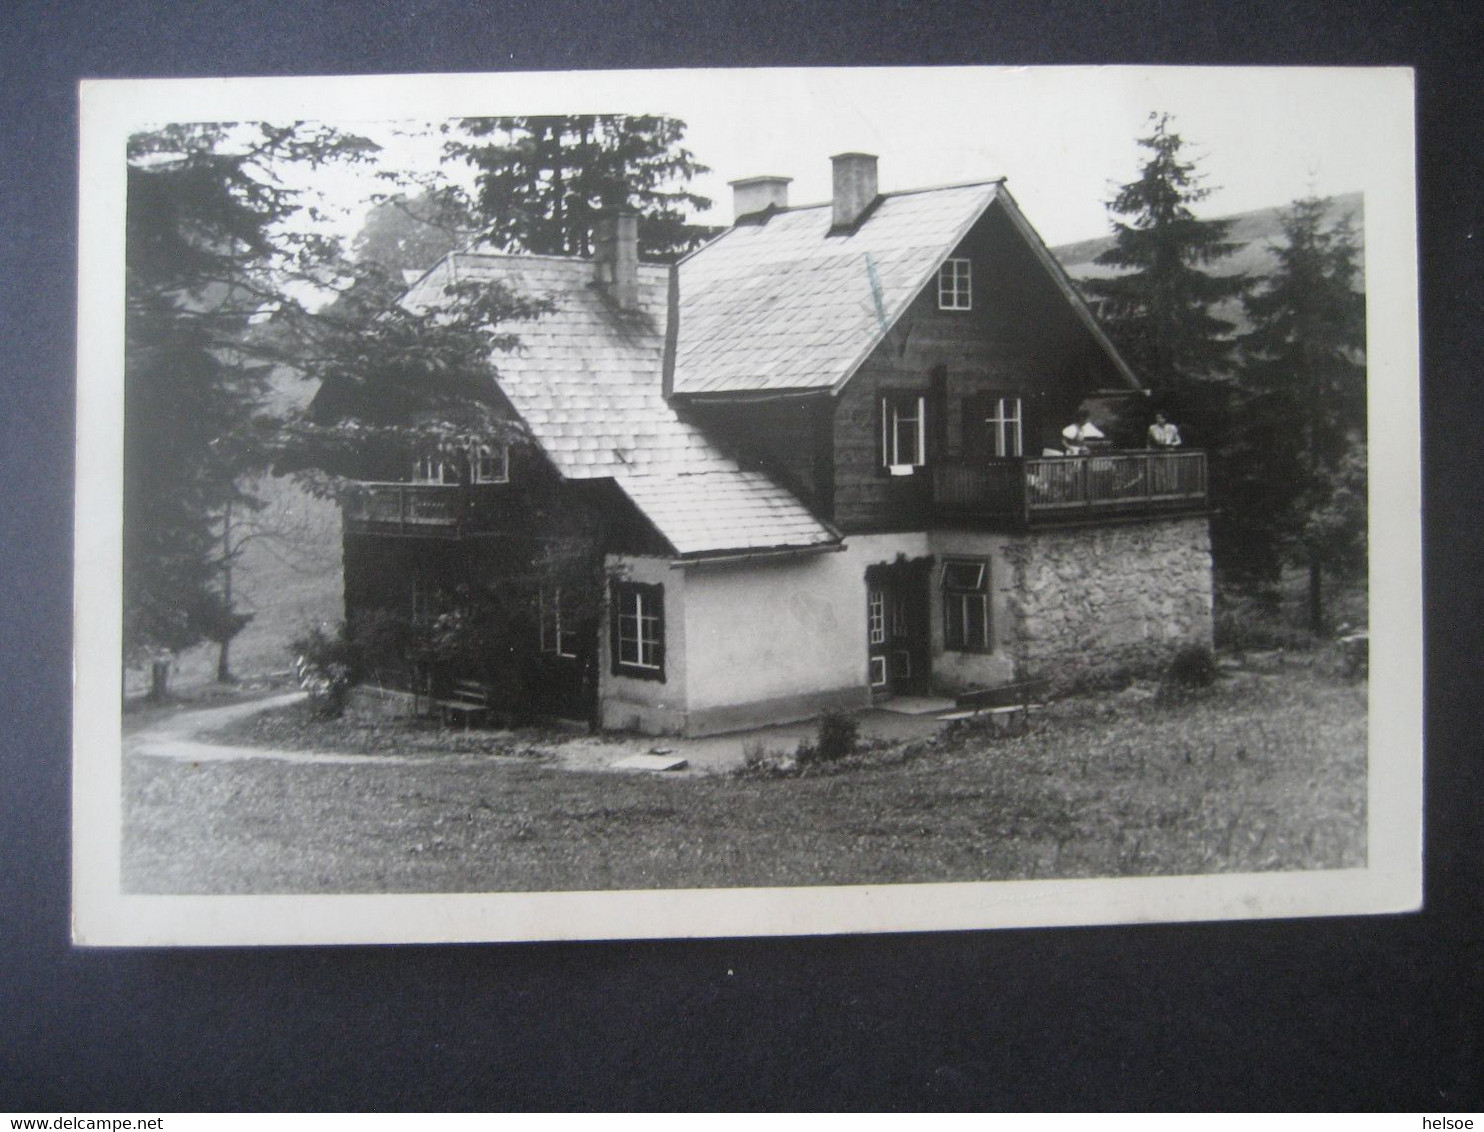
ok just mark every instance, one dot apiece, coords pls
pixel 421 510
pixel 1068 489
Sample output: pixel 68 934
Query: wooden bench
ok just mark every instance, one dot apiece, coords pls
pixel 1006 704
pixel 468 701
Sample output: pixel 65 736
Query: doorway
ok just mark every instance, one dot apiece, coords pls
pixel 898 637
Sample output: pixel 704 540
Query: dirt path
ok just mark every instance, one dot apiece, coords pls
pixel 179 737
pixel 183 738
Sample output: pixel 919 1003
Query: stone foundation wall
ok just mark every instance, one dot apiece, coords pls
pixel 1093 602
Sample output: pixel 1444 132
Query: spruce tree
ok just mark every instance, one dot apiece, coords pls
pixel 541 182
pixel 1304 399
pixel 1158 307
pixel 207 253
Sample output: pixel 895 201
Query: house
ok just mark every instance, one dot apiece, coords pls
pixel 818 462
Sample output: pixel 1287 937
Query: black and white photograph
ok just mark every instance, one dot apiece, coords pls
pixel 745 502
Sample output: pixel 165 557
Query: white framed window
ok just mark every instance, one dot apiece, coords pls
pixel 876 615
pixel 558 627
pixel 482 463
pixel 955 285
pixel 966 619
pixel 903 431
pixel 1004 422
pixel 435 469
pixel 489 463
pixel 878 672
pixel 639 630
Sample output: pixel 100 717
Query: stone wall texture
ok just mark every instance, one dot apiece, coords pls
pixel 1096 602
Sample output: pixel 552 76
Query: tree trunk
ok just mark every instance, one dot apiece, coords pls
pixel 159 680
pixel 1316 597
pixel 224 647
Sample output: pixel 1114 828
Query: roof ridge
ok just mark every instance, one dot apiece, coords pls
pixel 903 193
pixel 527 257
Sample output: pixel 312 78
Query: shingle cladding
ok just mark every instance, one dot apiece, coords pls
pixel 785 305
pixel 587 381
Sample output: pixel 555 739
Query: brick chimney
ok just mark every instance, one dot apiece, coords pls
pixel 616 258
pixel 855 187
pixel 756 194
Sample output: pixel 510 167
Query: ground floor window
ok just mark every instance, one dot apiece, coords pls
pixel 638 617
pixel 966 620
pixel 558 626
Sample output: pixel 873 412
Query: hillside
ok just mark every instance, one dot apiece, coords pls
pixel 1257 233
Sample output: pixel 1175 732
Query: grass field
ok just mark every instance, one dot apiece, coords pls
pixel 1264 772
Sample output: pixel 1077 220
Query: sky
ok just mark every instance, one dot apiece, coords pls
pixel 1064 138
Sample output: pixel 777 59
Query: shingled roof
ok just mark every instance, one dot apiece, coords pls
pixel 786 305
pixel 586 379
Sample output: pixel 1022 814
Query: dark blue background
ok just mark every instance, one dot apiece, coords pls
pixel 1339 1014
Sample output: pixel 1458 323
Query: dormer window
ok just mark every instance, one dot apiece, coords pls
pixel 954 285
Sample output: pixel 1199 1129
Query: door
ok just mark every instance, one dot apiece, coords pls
pixel 898 650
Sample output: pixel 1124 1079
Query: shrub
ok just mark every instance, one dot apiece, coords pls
pixel 1190 670
pixel 1253 622
pixel 834 740
pixel 328 666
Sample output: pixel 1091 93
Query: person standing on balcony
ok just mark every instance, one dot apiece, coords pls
pixel 1076 437
pixel 1163 434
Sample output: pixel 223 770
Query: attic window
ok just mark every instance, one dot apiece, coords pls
pixel 954 279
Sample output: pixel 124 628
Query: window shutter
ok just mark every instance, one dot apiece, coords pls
pixel 656 594
pixel 615 611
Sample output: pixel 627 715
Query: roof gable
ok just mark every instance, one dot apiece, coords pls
pixel 586 379
pixel 785 305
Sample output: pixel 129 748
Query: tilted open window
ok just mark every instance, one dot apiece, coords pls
pixel 966 610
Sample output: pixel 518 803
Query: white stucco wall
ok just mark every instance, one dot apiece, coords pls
pixel 651 706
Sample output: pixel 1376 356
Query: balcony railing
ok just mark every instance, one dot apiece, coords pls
pixel 433 510
pixel 1051 489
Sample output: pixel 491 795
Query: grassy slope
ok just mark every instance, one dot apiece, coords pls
pixel 1267 772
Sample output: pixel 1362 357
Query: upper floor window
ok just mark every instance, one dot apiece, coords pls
pixel 638 629
pixel 489 463
pixel 1004 425
pixel 481 463
pixel 903 431
pixel 954 285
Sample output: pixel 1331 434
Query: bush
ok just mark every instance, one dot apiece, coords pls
pixel 835 740
pixel 1191 669
pixel 1256 622
pixel 328 666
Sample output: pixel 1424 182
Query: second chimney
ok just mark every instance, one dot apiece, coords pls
pixel 855 187
pixel 616 258
pixel 758 194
